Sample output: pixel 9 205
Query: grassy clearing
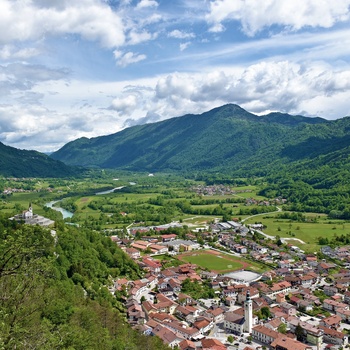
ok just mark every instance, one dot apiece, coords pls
pixel 306 231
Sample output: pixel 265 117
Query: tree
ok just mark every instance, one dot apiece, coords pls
pixel 265 312
pixel 230 339
pixel 299 332
pixel 282 328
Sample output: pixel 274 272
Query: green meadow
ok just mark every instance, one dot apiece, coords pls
pixel 308 232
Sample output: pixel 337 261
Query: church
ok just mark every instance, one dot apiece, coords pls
pixel 29 218
pixel 241 320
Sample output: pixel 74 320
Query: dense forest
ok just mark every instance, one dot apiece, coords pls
pixel 22 163
pixel 52 293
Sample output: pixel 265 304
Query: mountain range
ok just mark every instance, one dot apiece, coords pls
pixel 225 139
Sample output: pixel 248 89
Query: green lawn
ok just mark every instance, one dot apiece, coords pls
pixel 306 231
pixel 219 263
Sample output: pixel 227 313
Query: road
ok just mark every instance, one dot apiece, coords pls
pixel 283 239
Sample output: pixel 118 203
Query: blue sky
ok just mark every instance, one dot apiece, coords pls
pixel 93 67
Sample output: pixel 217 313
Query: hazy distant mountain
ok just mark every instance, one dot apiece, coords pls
pixel 225 138
pixel 21 163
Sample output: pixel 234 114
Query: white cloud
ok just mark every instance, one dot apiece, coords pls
pixel 47 130
pixel 312 88
pixel 256 15
pixel 92 19
pixel 184 46
pixel 281 86
pixel 12 52
pixel 139 37
pixel 126 104
pixel 124 60
pixel 147 3
pixel 178 34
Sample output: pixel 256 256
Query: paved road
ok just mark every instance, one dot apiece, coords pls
pixel 282 238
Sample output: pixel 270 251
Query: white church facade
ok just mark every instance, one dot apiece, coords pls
pixel 29 218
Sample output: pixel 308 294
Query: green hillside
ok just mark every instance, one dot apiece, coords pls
pixel 21 163
pixel 225 138
pixel 53 292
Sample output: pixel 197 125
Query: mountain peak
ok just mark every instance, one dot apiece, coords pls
pixel 222 139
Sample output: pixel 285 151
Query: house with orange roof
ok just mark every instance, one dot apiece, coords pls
pixel 332 336
pixel 167 335
pixel 286 343
pixel 203 324
pixel 332 321
pixel 151 264
pixel 212 344
pixel 187 345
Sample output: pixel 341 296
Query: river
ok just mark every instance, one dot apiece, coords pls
pixel 65 213
pixel 109 191
pixel 68 214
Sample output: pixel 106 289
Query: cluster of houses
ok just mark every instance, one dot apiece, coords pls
pixel 215 190
pixel 339 253
pixel 156 304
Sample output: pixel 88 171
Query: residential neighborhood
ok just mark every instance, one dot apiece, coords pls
pixel 301 301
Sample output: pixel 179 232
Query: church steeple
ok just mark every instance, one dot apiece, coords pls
pixel 248 313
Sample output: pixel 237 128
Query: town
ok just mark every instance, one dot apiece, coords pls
pixel 301 301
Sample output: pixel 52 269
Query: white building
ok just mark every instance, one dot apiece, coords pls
pixel 248 314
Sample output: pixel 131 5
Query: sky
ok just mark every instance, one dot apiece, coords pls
pixel 86 68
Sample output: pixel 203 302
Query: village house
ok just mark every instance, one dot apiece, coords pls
pixel 186 332
pixel 344 314
pixel 187 345
pixel 152 265
pixel 332 336
pixel 286 343
pixel 313 335
pixel 264 335
pixel 133 253
pixel 203 324
pixel 168 336
pixel 332 305
pixel 212 344
pixel 280 287
pixel 169 237
pixel 188 312
pixel 332 321
pixel 217 314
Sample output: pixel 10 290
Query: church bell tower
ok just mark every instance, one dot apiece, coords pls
pixel 248 314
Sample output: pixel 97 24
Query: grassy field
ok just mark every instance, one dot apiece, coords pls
pixel 218 261
pixel 306 231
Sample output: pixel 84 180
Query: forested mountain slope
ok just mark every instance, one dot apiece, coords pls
pixel 22 163
pixel 52 293
pixel 227 138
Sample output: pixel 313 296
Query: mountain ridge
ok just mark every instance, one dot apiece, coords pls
pixel 197 142
pixel 23 163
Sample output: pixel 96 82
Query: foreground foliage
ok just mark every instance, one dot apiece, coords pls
pixel 52 294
